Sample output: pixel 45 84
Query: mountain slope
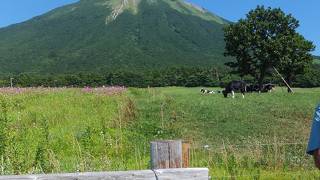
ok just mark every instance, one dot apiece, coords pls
pixel 99 35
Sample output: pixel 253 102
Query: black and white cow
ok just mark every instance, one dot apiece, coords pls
pixel 252 88
pixel 235 86
pixel 268 87
pixel 265 88
pixel 206 91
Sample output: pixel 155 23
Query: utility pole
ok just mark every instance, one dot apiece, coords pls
pixel 217 74
pixel 11 82
pixel 285 82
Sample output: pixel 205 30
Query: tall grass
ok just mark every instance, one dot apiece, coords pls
pixel 254 160
pixel 70 130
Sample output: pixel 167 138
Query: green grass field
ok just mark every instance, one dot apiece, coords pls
pixel 263 136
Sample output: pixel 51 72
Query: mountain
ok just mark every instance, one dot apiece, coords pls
pixel 108 35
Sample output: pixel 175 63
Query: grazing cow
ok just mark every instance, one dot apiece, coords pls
pixel 268 87
pixel 252 88
pixel 235 86
pixel 206 91
pixel 265 88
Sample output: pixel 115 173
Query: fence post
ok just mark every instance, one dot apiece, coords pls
pixel 169 154
pixel 185 154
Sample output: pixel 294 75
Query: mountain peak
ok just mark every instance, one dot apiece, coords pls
pixel 120 6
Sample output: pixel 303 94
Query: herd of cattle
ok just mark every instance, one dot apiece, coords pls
pixel 242 87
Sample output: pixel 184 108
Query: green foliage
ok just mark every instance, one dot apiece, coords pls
pixel 310 78
pixel 186 77
pixel 316 60
pixel 190 77
pixel 42 156
pixel 64 131
pixel 3 125
pixel 298 58
pixel 267 38
pixel 76 38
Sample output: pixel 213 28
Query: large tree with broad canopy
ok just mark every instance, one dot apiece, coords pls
pixel 267 39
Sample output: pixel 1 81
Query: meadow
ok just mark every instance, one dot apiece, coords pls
pixel 54 130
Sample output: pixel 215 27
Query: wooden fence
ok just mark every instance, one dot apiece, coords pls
pixel 169 161
pixel 159 174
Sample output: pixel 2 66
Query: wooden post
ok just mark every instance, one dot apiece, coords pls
pixel 169 154
pixel 185 154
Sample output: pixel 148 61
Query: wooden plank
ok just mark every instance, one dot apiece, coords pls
pixel 160 155
pixel 18 177
pixel 125 175
pixel 185 154
pixel 175 154
pixel 159 174
pixel 166 154
pixel 185 174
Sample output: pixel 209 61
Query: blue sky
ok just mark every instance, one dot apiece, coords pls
pixel 306 11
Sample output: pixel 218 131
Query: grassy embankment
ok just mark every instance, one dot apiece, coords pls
pixel 261 136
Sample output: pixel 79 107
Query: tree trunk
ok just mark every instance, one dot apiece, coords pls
pixel 260 81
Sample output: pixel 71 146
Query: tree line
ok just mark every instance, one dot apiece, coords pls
pixel 178 76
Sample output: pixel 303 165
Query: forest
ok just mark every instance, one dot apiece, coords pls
pixel 175 76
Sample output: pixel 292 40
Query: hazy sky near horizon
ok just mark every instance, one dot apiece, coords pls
pixel 307 11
